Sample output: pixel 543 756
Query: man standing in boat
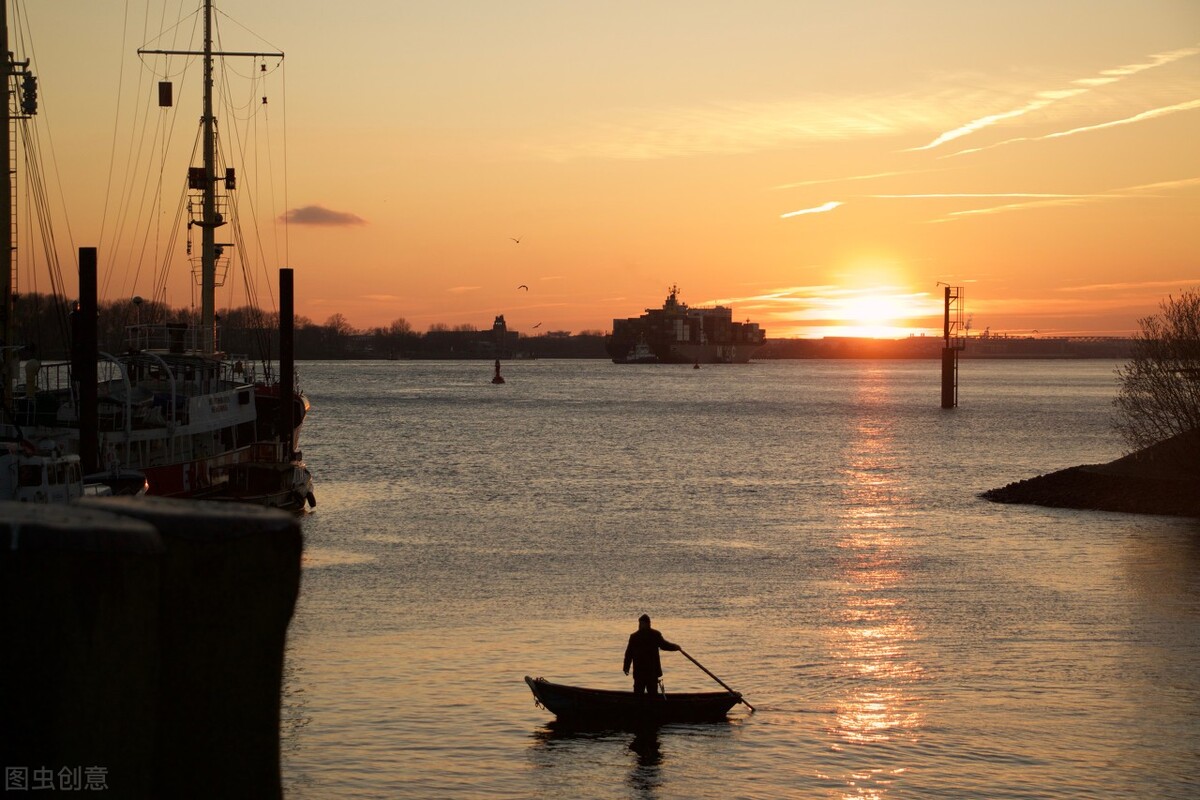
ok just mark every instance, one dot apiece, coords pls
pixel 642 652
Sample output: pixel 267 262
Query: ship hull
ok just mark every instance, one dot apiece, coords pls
pixel 678 334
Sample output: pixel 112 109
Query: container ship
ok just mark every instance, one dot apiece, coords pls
pixel 677 334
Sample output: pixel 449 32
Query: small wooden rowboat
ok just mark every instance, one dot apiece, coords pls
pixel 577 704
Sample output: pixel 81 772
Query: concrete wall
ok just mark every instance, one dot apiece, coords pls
pixel 142 642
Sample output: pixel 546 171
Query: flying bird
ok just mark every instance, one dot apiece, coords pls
pixel 537 326
pixel 523 286
pixel 518 241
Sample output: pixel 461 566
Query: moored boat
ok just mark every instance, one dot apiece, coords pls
pixel 32 474
pixel 173 414
pixel 606 706
pixel 640 353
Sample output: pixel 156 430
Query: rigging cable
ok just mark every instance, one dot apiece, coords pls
pixel 146 225
pixel 245 146
pixel 35 182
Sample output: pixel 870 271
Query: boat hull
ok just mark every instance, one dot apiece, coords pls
pixel 592 706
pixel 677 334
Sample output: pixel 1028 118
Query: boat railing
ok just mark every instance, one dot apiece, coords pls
pixel 125 421
pixel 241 369
pixel 51 376
pixel 172 337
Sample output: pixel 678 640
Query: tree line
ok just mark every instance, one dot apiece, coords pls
pixel 43 321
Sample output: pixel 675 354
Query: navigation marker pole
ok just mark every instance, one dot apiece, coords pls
pixel 952 330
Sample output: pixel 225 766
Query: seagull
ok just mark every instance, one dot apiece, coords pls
pixel 537 326
pixel 523 286
pixel 518 241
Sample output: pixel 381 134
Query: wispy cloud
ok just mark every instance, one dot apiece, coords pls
pixel 382 298
pixel 729 129
pixel 990 120
pixel 461 289
pixel 1046 98
pixel 735 128
pixel 1142 117
pixel 823 301
pixel 1131 285
pixel 830 206
pixel 1044 201
pixel 872 176
pixel 954 195
pixel 319 215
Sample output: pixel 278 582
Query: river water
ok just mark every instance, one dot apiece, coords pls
pixel 810 531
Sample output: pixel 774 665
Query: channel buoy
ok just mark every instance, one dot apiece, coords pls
pixel 497 378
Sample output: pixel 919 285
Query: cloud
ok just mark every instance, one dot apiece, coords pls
pixel 736 128
pixel 461 289
pixel 830 206
pixel 1044 201
pixel 730 129
pixel 319 215
pixel 991 119
pixel 954 195
pixel 1145 115
pixel 1106 287
pixel 823 302
pixel 1045 98
pixel 872 176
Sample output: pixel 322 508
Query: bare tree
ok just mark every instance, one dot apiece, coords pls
pixel 338 325
pixel 1160 386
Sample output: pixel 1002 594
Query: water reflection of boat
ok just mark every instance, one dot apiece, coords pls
pixel 582 705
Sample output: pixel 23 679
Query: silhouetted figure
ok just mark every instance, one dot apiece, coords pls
pixel 642 652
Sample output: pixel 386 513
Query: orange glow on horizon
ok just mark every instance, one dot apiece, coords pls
pixel 827 209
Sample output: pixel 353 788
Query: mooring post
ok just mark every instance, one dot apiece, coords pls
pixel 949 377
pixel 287 361
pixel 84 369
pixel 952 345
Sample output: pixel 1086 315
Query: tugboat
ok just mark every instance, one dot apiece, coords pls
pixel 640 353
pixel 677 334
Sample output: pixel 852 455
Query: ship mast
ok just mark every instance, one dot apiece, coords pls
pixel 10 68
pixel 210 220
pixel 8 358
pixel 210 217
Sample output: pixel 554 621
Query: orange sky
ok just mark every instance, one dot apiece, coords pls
pixel 818 166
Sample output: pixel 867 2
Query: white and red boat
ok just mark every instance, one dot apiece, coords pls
pixel 172 414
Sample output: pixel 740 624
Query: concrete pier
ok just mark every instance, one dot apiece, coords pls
pixel 145 637
pixel 79 646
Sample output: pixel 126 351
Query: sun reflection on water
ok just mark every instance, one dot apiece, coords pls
pixel 872 635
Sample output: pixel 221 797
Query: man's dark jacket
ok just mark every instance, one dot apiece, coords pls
pixel 642 651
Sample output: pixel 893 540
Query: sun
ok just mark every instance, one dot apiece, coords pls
pixel 878 315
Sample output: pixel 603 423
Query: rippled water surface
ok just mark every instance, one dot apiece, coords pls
pixel 809 531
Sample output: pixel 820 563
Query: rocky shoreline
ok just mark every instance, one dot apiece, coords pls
pixel 1162 479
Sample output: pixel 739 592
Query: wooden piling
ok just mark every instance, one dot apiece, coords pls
pixel 287 360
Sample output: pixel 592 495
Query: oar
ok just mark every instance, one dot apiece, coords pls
pixel 741 699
